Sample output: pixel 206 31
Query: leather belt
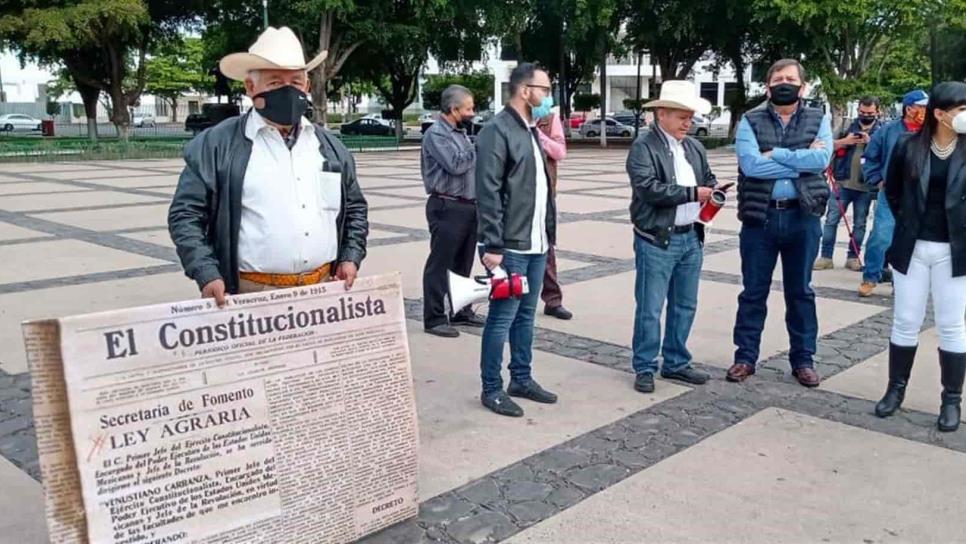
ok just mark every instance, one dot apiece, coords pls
pixel 318 275
pixel 451 197
pixel 683 229
pixel 789 204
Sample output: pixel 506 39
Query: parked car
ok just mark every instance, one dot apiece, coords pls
pixel 426 121
pixel 477 125
pixel 628 118
pixel 142 120
pixel 481 119
pixel 577 119
pixel 700 126
pixel 18 121
pixel 211 115
pixel 591 129
pixel 367 127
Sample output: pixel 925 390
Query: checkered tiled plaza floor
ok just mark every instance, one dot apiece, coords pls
pixel 765 461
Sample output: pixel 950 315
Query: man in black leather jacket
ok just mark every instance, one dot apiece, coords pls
pixel 670 179
pixel 516 227
pixel 268 200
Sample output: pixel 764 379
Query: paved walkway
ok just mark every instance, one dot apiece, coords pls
pixel 765 461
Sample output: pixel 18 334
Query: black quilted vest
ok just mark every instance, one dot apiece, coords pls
pixel 801 131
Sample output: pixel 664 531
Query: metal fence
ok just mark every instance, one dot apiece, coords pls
pixel 108 130
pixel 34 149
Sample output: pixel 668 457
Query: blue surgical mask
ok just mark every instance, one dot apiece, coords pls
pixel 543 110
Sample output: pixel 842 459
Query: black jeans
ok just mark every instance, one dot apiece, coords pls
pixel 452 246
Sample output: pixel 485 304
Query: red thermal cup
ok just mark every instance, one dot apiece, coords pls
pixel 712 207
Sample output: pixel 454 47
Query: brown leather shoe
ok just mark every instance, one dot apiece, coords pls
pixel 865 290
pixel 807 377
pixel 739 372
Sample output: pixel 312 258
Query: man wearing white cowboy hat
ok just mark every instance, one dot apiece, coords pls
pixel 268 200
pixel 670 179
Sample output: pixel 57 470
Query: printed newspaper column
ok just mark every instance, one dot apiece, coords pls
pixel 288 416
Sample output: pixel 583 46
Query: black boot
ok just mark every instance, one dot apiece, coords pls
pixel 953 367
pixel 900 366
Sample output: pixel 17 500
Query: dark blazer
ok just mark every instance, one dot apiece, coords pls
pixel 907 199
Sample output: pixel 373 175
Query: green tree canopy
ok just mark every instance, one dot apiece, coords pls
pixel 479 83
pixel 176 68
pixel 102 43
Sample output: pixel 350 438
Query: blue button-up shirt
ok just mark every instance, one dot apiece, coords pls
pixel 785 165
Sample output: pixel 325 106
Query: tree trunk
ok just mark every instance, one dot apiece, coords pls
pixel 838 117
pixel 320 100
pixel 603 100
pixel 119 112
pixel 174 110
pixel 330 40
pixel 637 106
pixel 668 67
pixel 319 77
pixel 740 105
pixel 89 96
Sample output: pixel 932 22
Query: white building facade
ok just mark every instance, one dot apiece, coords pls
pixel 621 83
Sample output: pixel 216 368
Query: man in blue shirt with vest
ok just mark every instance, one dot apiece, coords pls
pixel 783 149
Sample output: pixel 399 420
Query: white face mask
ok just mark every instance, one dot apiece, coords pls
pixel 959 122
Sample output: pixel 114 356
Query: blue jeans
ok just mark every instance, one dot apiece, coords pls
pixel 879 241
pixel 670 274
pixel 794 236
pixel 512 317
pixel 860 202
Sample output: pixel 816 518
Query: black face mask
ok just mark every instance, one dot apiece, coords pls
pixel 867 119
pixel 784 94
pixel 465 124
pixel 283 106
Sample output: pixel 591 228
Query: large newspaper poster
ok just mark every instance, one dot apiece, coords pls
pixel 288 416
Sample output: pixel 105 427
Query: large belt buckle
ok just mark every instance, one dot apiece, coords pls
pixel 782 204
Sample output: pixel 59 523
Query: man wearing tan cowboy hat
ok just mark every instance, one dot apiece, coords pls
pixel 670 179
pixel 268 200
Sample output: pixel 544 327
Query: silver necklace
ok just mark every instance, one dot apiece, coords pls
pixel 943 152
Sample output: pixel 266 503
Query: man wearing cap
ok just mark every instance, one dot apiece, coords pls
pixel 874 167
pixel 783 148
pixel 268 200
pixel 670 179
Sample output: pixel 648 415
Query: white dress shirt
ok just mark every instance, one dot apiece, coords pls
pixel 289 204
pixel 688 212
pixel 539 243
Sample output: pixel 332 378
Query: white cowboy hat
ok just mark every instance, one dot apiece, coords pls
pixel 680 95
pixel 275 49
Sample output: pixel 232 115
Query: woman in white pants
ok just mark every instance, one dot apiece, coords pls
pixel 926 190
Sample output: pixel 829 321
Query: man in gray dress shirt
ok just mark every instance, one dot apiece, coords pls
pixel 448 161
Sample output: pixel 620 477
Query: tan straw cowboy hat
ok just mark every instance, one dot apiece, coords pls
pixel 680 95
pixel 275 49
